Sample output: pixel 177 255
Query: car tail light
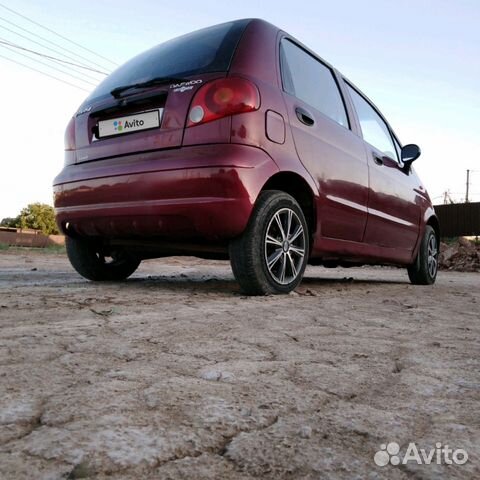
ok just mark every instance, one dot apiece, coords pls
pixel 70 135
pixel 223 97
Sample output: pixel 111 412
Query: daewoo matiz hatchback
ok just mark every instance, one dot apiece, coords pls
pixel 237 141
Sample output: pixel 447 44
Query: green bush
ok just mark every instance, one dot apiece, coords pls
pixel 39 216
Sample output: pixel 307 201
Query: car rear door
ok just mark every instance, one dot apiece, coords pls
pixel 330 151
pixel 393 205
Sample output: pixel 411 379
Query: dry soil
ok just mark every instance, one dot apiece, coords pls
pixel 174 374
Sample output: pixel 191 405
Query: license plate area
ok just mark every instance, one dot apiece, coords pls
pixel 130 123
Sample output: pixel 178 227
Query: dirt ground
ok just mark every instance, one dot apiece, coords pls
pixel 174 374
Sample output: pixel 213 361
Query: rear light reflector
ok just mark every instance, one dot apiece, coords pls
pixel 70 135
pixel 221 98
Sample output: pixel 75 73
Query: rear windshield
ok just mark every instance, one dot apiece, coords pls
pixel 204 51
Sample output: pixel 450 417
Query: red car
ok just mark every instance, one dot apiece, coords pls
pixel 237 141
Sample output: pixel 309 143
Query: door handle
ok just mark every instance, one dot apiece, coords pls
pixel 304 117
pixel 378 160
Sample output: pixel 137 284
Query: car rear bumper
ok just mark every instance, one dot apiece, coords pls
pixel 193 192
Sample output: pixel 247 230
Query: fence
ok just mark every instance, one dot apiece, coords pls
pixel 29 238
pixel 459 219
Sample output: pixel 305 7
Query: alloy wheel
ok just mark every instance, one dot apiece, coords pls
pixel 284 246
pixel 432 256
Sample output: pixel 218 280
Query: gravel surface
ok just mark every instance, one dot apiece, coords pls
pixel 174 374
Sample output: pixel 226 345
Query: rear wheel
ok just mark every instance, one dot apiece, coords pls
pixel 424 270
pixel 94 262
pixel 272 253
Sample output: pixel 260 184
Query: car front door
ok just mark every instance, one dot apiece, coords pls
pixel 393 205
pixel 330 151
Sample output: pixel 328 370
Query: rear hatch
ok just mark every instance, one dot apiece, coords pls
pixel 143 105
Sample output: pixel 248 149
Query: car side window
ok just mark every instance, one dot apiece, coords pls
pixel 374 129
pixel 311 81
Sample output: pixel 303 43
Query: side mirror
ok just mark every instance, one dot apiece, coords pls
pixel 410 153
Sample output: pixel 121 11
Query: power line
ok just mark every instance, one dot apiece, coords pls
pixel 65 72
pixel 57 34
pixel 48 66
pixel 43 73
pixel 13 45
pixel 49 48
pixel 9 46
pixel 48 41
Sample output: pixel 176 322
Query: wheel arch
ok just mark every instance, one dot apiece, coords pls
pixel 435 224
pixel 428 218
pixel 296 186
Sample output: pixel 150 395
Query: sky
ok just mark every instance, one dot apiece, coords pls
pixel 418 60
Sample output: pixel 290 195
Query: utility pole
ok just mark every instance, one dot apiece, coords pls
pixel 447 199
pixel 468 186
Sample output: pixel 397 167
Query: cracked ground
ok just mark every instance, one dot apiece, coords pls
pixel 174 374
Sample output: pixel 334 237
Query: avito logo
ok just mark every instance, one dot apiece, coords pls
pixel 127 124
pixel 441 454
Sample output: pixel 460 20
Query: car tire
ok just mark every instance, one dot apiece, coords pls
pixel 89 259
pixel 271 255
pixel 424 270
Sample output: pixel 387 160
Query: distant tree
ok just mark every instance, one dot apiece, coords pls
pixel 11 222
pixel 39 216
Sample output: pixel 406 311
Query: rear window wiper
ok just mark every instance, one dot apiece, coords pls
pixel 116 92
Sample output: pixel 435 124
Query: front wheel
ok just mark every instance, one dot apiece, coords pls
pixel 94 262
pixel 272 253
pixel 424 270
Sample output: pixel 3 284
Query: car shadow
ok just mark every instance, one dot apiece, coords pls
pixel 187 284
pixel 228 286
pixel 351 280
